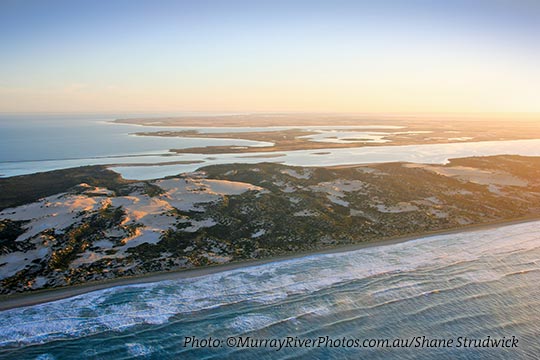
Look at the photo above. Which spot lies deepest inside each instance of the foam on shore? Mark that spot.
(120, 308)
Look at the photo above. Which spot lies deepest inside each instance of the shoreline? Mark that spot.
(18, 300)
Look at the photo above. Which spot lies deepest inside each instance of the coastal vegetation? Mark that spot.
(18, 190)
(236, 212)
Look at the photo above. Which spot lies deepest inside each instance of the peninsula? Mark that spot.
(82, 225)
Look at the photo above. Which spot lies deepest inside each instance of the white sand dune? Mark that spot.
(151, 216)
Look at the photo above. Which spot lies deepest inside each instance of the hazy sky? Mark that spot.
(389, 56)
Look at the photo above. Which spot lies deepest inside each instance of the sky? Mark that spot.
(386, 56)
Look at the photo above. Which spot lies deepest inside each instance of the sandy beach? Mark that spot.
(43, 296)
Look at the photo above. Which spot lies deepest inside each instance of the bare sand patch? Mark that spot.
(474, 175)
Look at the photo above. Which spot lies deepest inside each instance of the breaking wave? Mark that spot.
(329, 290)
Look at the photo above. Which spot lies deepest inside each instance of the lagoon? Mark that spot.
(30, 144)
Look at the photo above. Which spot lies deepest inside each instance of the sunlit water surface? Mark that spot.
(473, 284)
(30, 144)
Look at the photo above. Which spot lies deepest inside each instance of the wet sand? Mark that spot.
(43, 296)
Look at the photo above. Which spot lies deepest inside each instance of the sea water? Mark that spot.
(30, 143)
(472, 284)
(41, 138)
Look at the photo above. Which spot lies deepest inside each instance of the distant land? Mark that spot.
(325, 119)
(369, 132)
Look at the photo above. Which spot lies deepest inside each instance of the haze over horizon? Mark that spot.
(388, 57)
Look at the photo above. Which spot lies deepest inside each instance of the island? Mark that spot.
(287, 132)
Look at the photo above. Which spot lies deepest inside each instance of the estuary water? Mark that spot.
(472, 284)
(30, 144)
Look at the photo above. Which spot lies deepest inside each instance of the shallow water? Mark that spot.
(430, 154)
(28, 140)
(35, 144)
(472, 284)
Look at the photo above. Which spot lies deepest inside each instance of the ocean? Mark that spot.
(473, 285)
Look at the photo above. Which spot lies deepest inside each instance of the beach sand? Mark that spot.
(43, 296)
